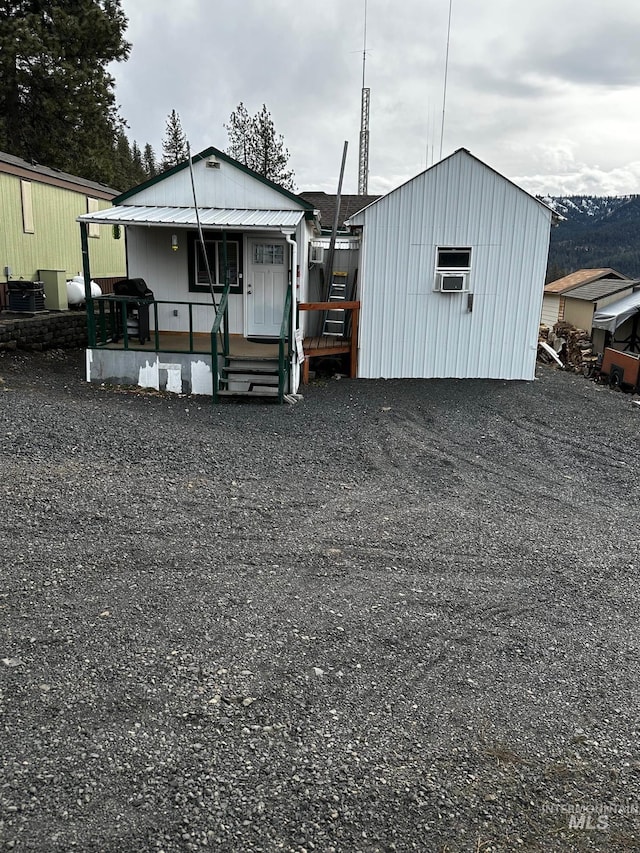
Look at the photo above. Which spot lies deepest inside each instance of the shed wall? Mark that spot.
(550, 310)
(408, 329)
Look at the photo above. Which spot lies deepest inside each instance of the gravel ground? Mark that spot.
(398, 616)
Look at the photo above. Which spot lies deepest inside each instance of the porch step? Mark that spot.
(255, 392)
(248, 376)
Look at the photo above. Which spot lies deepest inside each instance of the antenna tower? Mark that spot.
(363, 161)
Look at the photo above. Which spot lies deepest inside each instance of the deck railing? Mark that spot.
(111, 321)
(284, 352)
(220, 334)
(350, 341)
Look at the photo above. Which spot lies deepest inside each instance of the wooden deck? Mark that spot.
(239, 346)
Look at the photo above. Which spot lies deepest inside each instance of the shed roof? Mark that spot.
(594, 290)
(210, 217)
(579, 277)
(555, 216)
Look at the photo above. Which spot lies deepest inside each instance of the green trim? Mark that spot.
(86, 270)
(209, 152)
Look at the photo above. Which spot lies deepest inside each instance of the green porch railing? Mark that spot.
(222, 314)
(110, 313)
(284, 353)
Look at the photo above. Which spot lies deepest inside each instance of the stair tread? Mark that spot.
(263, 392)
(252, 371)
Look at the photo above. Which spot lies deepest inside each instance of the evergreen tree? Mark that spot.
(174, 144)
(253, 141)
(138, 171)
(57, 103)
(149, 161)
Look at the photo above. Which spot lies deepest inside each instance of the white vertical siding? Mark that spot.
(408, 329)
(227, 186)
(550, 309)
(149, 256)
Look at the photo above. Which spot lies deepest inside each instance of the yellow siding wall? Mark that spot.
(55, 243)
(579, 312)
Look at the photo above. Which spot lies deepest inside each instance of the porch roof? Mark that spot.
(210, 217)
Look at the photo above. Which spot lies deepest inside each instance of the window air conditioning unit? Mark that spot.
(316, 255)
(452, 282)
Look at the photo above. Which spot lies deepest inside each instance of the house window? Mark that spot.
(93, 205)
(215, 248)
(268, 253)
(27, 207)
(453, 269)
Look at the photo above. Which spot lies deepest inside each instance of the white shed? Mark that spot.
(451, 276)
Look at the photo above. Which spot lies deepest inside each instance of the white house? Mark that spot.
(257, 238)
(451, 277)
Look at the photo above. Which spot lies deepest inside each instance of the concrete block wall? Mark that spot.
(66, 330)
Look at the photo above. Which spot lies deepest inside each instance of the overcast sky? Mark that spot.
(545, 92)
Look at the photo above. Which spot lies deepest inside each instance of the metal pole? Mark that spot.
(446, 70)
(200, 234)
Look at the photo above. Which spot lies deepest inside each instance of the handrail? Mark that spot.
(285, 327)
(222, 313)
(354, 307)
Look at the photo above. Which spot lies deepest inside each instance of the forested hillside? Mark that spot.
(597, 232)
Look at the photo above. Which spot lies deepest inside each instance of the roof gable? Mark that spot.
(252, 191)
(358, 219)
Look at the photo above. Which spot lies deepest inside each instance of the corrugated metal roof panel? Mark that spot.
(186, 217)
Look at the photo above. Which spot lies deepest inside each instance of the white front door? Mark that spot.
(266, 287)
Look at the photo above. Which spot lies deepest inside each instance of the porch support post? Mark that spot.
(294, 373)
(91, 317)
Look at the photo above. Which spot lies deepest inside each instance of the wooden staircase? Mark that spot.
(249, 376)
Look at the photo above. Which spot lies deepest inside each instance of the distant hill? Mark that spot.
(598, 231)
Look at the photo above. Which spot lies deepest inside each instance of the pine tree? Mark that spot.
(57, 101)
(149, 161)
(174, 144)
(253, 141)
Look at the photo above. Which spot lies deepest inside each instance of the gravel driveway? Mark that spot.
(398, 616)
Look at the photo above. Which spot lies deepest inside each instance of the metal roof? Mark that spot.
(600, 289)
(210, 217)
(9, 163)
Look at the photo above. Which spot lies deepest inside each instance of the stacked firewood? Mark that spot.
(573, 346)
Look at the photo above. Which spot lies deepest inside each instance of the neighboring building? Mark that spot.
(451, 275)
(39, 234)
(554, 303)
(346, 257)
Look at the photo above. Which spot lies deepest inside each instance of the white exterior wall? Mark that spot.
(227, 186)
(409, 330)
(149, 256)
(550, 309)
